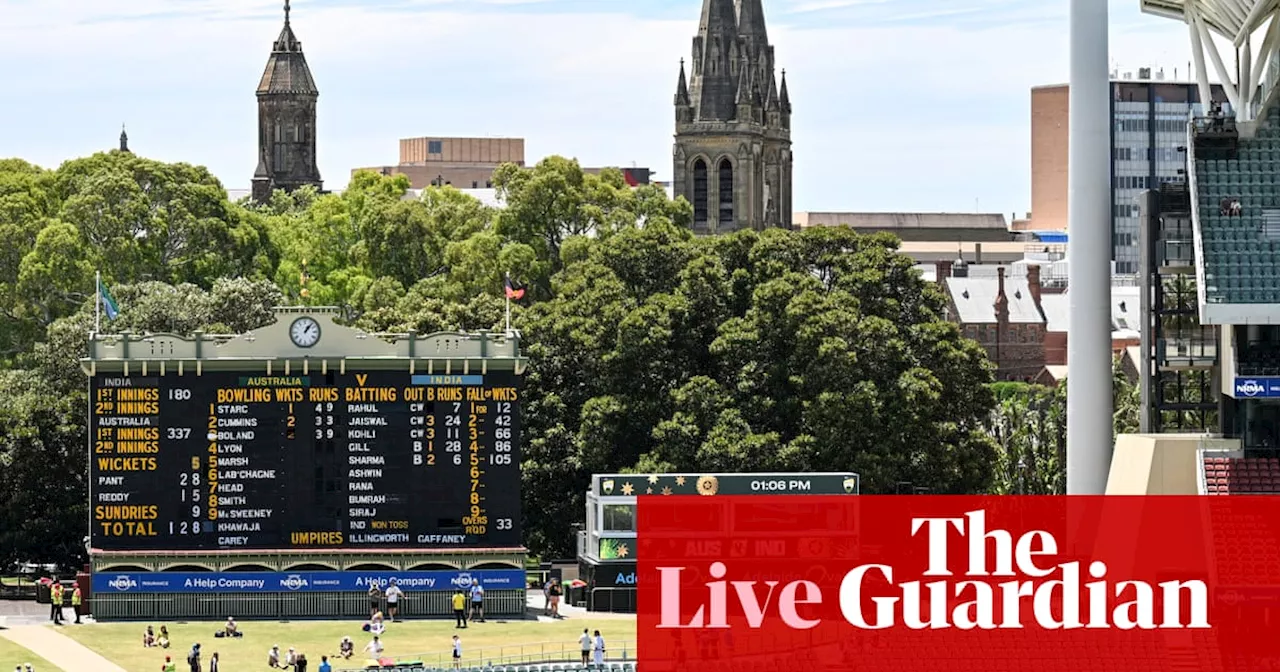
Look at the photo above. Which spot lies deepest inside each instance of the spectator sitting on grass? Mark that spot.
(346, 648)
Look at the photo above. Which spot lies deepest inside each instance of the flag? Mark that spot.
(513, 292)
(109, 305)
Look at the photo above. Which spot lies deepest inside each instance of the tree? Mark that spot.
(556, 201)
(1029, 425)
(43, 488)
(819, 350)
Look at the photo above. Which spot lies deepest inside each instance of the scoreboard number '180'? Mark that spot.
(228, 460)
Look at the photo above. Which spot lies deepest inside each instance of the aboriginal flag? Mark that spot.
(514, 292)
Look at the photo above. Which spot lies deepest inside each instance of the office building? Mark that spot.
(1149, 126)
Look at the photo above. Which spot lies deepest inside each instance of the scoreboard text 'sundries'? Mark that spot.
(230, 460)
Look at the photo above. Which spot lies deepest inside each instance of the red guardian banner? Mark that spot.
(1079, 584)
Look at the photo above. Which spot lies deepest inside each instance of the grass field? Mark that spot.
(12, 655)
(121, 642)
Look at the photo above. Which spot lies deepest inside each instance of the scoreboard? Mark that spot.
(235, 460)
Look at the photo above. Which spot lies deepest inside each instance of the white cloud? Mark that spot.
(887, 117)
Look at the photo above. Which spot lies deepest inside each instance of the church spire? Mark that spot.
(751, 21)
(124, 139)
(732, 157)
(682, 88)
(715, 50)
(287, 97)
(783, 98)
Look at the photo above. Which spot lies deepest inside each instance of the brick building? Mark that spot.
(1001, 313)
(468, 163)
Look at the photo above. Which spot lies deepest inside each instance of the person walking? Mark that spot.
(556, 592)
(585, 642)
(460, 609)
(598, 649)
(193, 658)
(457, 653)
(213, 662)
(76, 600)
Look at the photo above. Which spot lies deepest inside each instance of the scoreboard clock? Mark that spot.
(227, 460)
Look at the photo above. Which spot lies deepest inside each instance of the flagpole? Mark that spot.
(97, 302)
(508, 313)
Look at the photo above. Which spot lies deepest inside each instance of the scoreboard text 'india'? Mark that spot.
(233, 460)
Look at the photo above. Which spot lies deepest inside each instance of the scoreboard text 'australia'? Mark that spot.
(232, 460)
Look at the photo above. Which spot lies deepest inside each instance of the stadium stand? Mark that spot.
(1239, 211)
(1233, 475)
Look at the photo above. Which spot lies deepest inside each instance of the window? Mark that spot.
(475, 184)
(726, 192)
(700, 192)
(435, 146)
(1121, 210)
(619, 518)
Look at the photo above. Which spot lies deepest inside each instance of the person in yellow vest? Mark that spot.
(55, 602)
(76, 600)
(459, 609)
(169, 665)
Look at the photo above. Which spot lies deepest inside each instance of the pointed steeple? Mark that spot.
(287, 97)
(682, 89)
(783, 98)
(287, 70)
(771, 95)
(124, 139)
(714, 50)
(751, 21)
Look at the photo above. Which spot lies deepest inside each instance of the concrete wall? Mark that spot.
(1049, 111)
(1156, 464)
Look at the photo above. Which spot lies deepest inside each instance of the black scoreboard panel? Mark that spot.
(227, 460)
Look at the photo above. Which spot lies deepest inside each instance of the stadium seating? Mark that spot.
(1241, 261)
(1241, 475)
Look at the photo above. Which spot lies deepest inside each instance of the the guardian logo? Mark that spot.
(123, 582)
(293, 582)
(1032, 592)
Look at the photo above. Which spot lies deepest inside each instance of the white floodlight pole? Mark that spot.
(1089, 404)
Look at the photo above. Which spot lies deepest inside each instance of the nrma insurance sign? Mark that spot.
(279, 582)
(1256, 388)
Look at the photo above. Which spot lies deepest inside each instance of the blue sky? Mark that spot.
(900, 105)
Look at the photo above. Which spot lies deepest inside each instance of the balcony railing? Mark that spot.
(1177, 252)
(1194, 351)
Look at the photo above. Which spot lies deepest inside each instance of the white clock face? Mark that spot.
(305, 332)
